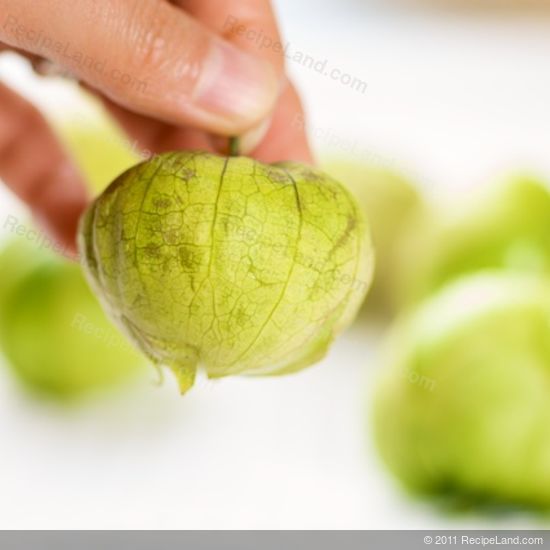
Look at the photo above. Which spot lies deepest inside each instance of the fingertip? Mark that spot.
(286, 139)
(236, 89)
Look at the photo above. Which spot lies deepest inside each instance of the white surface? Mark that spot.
(457, 100)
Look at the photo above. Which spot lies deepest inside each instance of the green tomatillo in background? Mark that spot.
(391, 204)
(227, 263)
(53, 332)
(463, 408)
(505, 226)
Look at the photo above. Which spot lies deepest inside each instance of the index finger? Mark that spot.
(35, 167)
(149, 57)
(249, 24)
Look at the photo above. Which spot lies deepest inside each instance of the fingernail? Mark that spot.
(253, 137)
(236, 86)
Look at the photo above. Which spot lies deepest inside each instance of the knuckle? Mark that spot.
(165, 47)
(148, 29)
(18, 123)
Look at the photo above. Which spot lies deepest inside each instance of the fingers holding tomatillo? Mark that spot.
(35, 167)
(150, 57)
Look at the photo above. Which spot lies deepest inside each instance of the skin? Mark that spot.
(45, 299)
(194, 74)
(461, 411)
(227, 263)
(390, 203)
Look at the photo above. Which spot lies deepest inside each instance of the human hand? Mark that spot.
(176, 75)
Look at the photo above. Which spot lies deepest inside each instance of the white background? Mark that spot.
(454, 98)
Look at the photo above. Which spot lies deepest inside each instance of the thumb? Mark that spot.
(149, 57)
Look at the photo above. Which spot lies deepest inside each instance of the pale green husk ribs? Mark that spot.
(227, 263)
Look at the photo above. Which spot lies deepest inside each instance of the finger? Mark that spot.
(250, 25)
(286, 138)
(154, 137)
(35, 168)
(149, 57)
